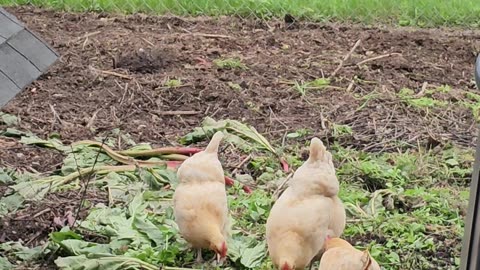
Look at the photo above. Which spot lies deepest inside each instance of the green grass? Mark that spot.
(230, 63)
(402, 12)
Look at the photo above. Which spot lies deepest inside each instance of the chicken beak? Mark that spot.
(219, 259)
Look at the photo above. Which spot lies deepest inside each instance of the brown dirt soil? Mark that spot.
(30, 158)
(32, 224)
(113, 70)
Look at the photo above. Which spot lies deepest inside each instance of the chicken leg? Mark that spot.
(199, 256)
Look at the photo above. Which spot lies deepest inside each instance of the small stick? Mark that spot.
(55, 116)
(347, 56)
(245, 160)
(106, 72)
(422, 91)
(34, 237)
(322, 120)
(87, 35)
(378, 57)
(212, 35)
(34, 216)
(350, 86)
(177, 112)
(92, 119)
(148, 42)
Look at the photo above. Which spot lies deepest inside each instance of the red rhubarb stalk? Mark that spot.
(247, 189)
(173, 164)
(284, 163)
(229, 181)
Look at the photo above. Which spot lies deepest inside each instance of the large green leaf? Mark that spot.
(143, 225)
(252, 257)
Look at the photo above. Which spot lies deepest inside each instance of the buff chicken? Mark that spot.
(200, 201)
(341, 255)
(306, 212)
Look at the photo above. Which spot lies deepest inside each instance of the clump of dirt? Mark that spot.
(145, 61)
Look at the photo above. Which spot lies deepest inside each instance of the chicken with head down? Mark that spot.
(306, 212)
(200, 201)
(341, 255)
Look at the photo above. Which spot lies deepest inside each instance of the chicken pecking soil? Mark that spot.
(157, 78)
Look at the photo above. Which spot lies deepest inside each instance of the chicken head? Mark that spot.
(341, 255)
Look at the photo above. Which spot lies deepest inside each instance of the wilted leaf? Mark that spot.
(5, 264)
(78, 247)
(13, 132)
(8, 119)
(243, 136)
(33, 190)
(149, 178)
(10, 203)
(101, 261)
(50, 143)
(137, 205)
(235, 248)
(238, 142)
(5, 177)
(29, 254)
(165, 176)
(20, 252)
(249, 133)
(143, 225)
(252, 257)
(84, 157)
(208, 128)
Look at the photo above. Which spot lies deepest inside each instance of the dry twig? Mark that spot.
(107, 72)
(279, 189)
(347, 56)
(377, 58)
(176, 112)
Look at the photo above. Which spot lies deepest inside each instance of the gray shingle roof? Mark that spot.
(23, 56)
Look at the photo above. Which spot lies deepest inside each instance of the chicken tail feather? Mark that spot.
(212, 147)
(317, 150)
